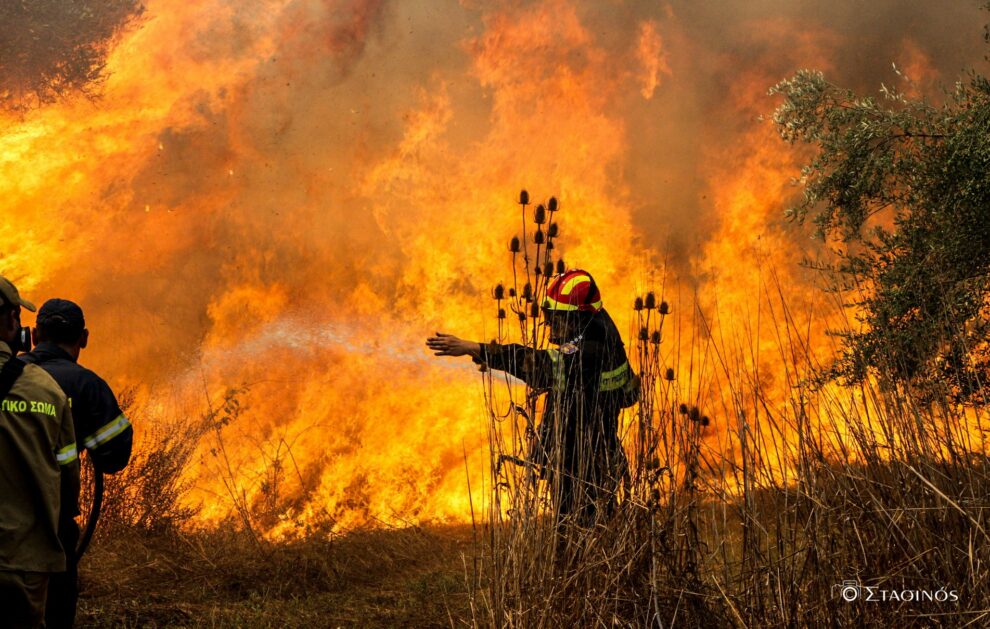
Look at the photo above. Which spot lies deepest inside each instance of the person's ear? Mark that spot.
(84, 339)
(8, 323)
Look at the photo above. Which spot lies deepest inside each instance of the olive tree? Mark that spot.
(903, 186)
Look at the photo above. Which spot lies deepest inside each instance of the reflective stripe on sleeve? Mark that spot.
(614, 379)
(106, 433)
(67, 455)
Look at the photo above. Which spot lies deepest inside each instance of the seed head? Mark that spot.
(528, 292)
(638, 304)
(682, 409)
(644, 334)
(655, 337)
(669, 375)
(694, 414)
(523, 197)
(548, 269)
(540, 215)
(501, 313)
(651, 301)
(534, 310)
(561, 267)
(552, 204)
(498, 292)
(553, 230)
(550, 246)
(522, 315)
(705, 421)
(514, 244)
(664, 308)
(539, 237)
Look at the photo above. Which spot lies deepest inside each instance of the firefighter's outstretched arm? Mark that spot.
(449, 345)
(532, 366)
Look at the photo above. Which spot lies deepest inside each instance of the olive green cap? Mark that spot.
(11, 296)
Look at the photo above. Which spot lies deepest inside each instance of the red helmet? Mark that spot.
(573, 290)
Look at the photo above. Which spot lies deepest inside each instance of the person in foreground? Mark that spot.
(102, 428)
(38, 465)
(588, 381)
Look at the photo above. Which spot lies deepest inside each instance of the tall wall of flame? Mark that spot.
(285, 197)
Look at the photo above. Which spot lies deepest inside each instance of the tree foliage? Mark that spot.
(52, 47)
(905, 186)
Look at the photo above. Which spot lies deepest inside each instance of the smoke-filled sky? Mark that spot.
(288, 196)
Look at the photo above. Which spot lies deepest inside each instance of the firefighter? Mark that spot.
(38, 466)
(588, 381)
(102, 428)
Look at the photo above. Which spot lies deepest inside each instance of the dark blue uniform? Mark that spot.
(587, 381)
(105, 433)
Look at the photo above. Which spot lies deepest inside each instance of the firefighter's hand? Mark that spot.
(449, 345)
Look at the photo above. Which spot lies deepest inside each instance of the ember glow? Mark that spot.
(284, 198)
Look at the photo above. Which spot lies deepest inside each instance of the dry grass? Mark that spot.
(377, 578)
(756, 523)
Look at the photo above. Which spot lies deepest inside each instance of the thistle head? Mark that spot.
(548, 268)
(540, 215)
(664, 308)
(498, 293)
(561, 267)
(528, 292)
(638, 304)
(682, 409)
(514, 244)
(501, 313)
(523, 197)
(539, 237)
(651, 301)
(669, 375)
(552, 204)
(644, 334)
(655, 337)
(553, 230)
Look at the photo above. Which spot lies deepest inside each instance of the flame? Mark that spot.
(273, 203)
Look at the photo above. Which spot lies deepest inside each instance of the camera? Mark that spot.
(21, 342)
(849, 590)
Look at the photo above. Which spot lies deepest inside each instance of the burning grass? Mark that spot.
(751, 499)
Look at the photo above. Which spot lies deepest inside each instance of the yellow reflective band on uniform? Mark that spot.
(106, 433)
(67, 455)
(557, 365)
(552, 304)
(614, 379)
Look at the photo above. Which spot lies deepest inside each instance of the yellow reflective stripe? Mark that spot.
(614, 379)
(553, 304)
(107, 432)
(572, 283)
(557, 366)
(67, 455)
